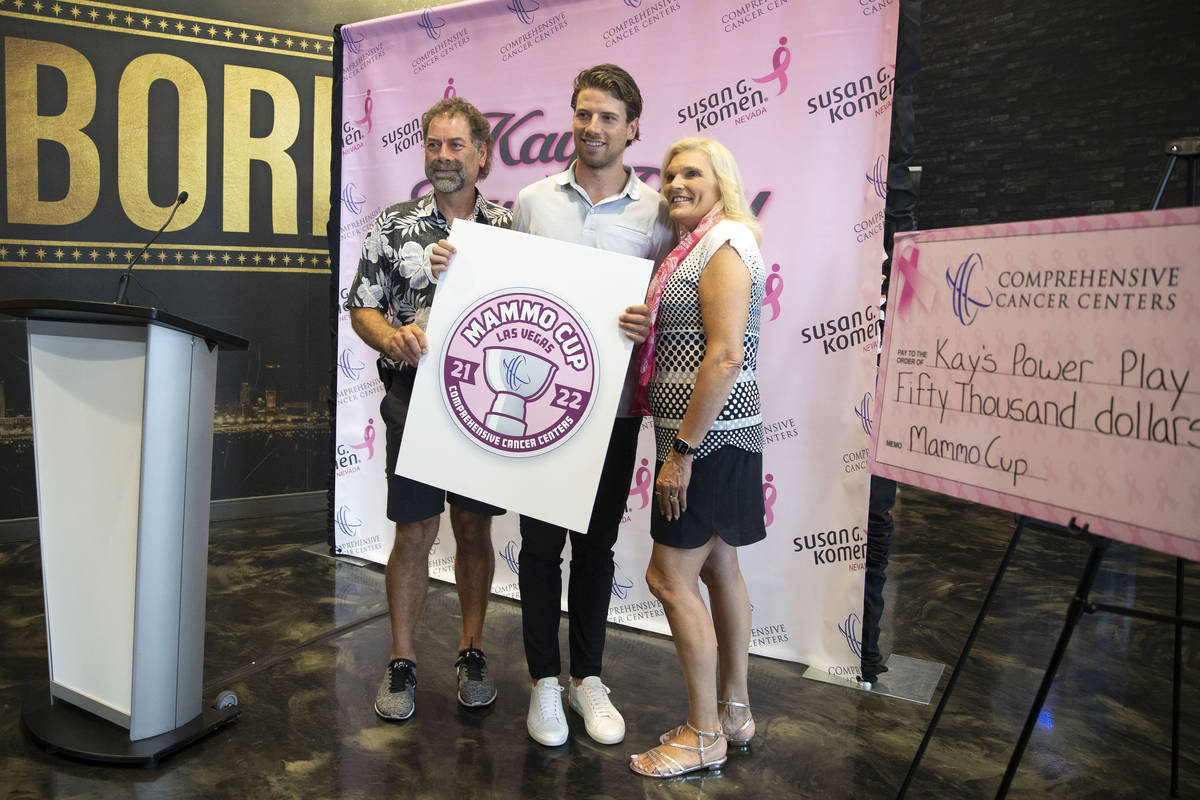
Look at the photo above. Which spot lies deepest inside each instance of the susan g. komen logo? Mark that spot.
(643, 482)
(772, 293)
(770, 493)
(850, 630)
(430, 24)
(519, 372)
(368, 442)
(965, 304)
(781, 59)
(347, 524)
(877, 177)
(523, 9)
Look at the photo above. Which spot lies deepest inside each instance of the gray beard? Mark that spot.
(448, 185)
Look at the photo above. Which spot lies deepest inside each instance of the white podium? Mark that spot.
(122, 401)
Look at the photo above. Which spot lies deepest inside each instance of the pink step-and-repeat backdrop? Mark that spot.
(800, 92)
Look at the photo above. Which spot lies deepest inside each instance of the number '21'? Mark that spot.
(463, 370)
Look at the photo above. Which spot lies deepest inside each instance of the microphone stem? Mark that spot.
(123, 285)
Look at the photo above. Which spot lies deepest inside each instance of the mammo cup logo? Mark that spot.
(519, 372)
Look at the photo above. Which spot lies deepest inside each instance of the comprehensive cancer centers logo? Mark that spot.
(966, 307)
(863, 412)
(430, 24)
(347, 524)
(350, 367)
(519, 372)
(877, 177)
(523, 9)
(352, 199)
(850, 630)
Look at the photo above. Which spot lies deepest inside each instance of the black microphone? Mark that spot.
(123, 286)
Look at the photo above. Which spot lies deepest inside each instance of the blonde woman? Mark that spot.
(698, 372)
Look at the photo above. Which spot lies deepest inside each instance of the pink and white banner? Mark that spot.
(801, 94)
(1046, 368)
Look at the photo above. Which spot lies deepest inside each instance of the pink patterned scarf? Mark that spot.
(640, 406)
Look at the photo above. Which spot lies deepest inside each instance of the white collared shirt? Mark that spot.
(633, 222)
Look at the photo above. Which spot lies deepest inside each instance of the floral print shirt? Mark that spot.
(394, 274)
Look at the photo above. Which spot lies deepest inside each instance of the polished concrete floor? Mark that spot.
(303, 638)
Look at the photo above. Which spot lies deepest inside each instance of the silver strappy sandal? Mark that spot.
(737, 738)
(664, 766)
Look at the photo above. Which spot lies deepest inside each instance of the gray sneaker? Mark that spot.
(396, 697)
(475, 684)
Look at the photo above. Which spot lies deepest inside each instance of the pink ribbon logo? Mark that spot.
(772, 291)
(450, 91)
(368, 442)
(643, 481)
(914, 284)
(780, 61)
(769, 495)
(368, 104)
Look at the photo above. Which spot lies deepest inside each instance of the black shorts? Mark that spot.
(409, 500)
(725, 497)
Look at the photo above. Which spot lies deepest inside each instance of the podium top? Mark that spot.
(58, 310)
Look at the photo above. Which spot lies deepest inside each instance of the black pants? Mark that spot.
(879, 547)
(590, 585)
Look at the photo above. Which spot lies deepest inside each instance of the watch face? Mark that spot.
(682, 447)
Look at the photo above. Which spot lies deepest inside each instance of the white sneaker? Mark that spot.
(601, 719)
(546, 722)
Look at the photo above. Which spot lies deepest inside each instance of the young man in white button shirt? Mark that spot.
(599, 202)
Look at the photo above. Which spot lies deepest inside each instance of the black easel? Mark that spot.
(962, 657)
(1078, 607)
(1189, 149)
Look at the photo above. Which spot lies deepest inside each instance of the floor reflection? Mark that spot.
(302, 639)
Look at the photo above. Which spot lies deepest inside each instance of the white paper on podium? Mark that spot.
(514, 403)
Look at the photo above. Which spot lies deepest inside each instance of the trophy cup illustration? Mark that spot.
(517, 378)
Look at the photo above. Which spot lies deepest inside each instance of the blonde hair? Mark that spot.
(733, 202)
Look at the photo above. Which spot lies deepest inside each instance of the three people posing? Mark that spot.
(703, 397)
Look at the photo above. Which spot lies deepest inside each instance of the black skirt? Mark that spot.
(725, 497)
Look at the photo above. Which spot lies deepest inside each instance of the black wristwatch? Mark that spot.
(682, 447)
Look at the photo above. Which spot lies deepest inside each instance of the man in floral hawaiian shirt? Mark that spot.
(389, 304)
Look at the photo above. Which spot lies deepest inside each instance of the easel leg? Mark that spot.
(962, 657)
(1074, 611)
(1175, 695)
